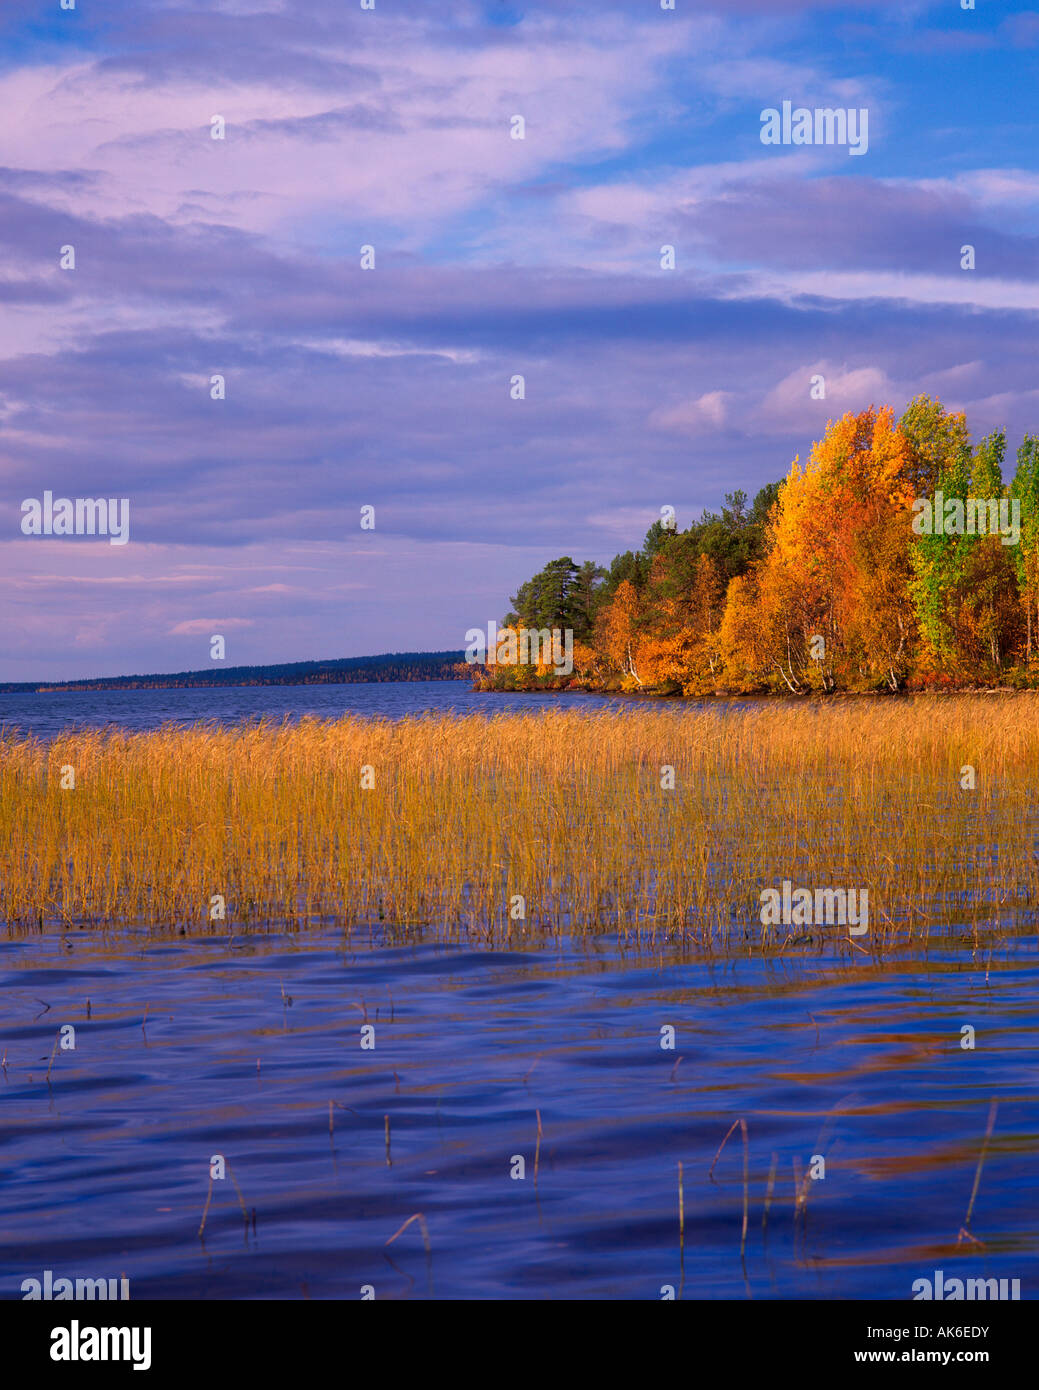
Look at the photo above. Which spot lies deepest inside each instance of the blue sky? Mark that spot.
(494, 257)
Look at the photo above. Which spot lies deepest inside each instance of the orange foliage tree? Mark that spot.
(832, 590)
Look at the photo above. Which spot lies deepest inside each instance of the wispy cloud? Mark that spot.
(496, 258)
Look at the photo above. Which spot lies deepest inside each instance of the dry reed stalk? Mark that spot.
(746, 1163)
(53, 1052)
(241, 1199)
(681, 1206)
(720, 1147)
(768, 1194)
(965, 1229)
(681, 1226)
(563, 808)
(205, 1209)
(423, 1227)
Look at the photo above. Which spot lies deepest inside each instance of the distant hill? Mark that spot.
(350, 670)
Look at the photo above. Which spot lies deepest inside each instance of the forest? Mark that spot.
(350, 670)
(868, 568)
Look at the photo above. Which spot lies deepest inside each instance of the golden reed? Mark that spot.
(570, 812)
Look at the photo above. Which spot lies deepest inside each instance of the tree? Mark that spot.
(1025, 491)
(832, 585)
(619, 631)
(546, 600)
(826, 580)
(936, 441)
(964, 583)
(746, 648)
(586, 598)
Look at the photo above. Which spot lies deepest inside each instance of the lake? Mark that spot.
(865, 1116)
(45, 714)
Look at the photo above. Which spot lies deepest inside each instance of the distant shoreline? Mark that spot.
(354, 670)
(82, 688)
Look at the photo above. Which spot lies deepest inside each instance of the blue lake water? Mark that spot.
(194, 1048)
(191, 1047)
(47, 713)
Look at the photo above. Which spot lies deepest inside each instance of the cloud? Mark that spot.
(495, 257)
(625, 525)
(369, 125)
(708, 412)
(199, 627)
(790, 404)
(964, 289)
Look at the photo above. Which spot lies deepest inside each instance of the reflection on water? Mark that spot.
(188, 1048)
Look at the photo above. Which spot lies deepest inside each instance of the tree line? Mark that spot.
(883, 563)
(351, 670)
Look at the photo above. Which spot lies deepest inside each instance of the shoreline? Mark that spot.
(722, 695)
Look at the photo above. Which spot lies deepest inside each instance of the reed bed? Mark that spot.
(565, 810)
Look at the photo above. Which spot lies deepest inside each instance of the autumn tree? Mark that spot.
(619, 630)
(1025, 491)
(833, 585)
(936, 440)
(826, 580)
(964, 583)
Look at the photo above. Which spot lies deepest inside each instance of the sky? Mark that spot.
(495, 257)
